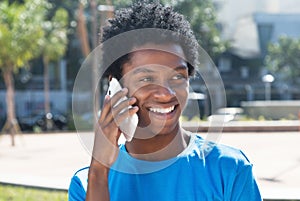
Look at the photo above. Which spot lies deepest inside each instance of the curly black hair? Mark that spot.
(146, 15)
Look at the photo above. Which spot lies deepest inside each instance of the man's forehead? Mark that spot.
(157, 68)
(143, 69)
(171, 48)
(162, 57)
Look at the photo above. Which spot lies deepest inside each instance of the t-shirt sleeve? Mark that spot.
(245, 186)
(78, 186)
(76, 191)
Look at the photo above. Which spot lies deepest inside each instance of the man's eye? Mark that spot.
(179, 77)
(146, 79)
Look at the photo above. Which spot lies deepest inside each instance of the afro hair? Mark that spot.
(155, 17)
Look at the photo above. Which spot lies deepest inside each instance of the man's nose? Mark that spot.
(164, 92)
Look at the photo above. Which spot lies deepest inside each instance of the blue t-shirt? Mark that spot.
(203, 171)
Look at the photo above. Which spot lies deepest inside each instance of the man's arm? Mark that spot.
(106, 149)
(97, 182)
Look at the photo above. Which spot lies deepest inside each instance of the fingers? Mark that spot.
(111, 101)
(120, 117)
(121, 111)
(116, 112)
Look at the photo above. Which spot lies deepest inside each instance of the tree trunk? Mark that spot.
(49, 123)
(82, 32)
(95, 75)
(11, 125)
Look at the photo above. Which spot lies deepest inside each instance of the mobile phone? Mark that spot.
(128, 126)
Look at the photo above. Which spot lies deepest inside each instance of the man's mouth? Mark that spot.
(162, 110)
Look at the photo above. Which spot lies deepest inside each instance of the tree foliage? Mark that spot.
(54, 43)
(283, 58)
(20, 32)
(202, 16)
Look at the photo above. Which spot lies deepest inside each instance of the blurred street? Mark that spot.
(50, 160)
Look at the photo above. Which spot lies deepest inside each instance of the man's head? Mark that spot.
(159, 52)
(167, 26)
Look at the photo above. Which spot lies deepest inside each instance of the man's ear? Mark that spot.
(110, 77)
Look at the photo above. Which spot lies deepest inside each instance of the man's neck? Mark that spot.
(159, 147)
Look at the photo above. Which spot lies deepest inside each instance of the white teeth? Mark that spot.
(162, 110)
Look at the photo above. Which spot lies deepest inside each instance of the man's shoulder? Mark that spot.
(80, 178)
(235, 155)
(221, 152)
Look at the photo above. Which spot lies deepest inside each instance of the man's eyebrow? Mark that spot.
(142, 70)
(181, 67)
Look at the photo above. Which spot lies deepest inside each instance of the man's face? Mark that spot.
(159, 81)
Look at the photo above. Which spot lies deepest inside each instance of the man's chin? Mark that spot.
(152, 130)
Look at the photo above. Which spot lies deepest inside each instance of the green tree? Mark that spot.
(20, 34)
(283, 58)
(202, 16)
(54, 44)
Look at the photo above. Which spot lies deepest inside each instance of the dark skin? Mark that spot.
(156, 80)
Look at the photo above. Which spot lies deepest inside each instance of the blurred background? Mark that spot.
(254, 44)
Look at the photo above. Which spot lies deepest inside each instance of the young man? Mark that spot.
(162, 161)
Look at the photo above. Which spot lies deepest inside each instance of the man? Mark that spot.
(162, 161)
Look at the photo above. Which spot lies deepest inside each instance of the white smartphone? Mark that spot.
(128, 126)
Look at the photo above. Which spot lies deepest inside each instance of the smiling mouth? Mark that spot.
(162, 110)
